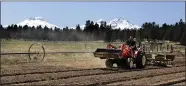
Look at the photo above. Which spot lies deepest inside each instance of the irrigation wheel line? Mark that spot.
(43, 50)
(43, 53)
(34, 52)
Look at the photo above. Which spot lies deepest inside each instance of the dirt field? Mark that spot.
(78, 69)
(41, 74)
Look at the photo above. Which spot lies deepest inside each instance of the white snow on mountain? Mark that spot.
(36, 21)
(82, 26)
(99, 21)
(117, 23)
(121, 23)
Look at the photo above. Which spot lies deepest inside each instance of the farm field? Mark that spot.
(77, 69)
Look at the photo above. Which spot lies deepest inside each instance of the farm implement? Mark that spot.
(126, 57)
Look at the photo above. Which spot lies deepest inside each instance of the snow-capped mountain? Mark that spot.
(36, 21)
(117, 23)
(121, 23)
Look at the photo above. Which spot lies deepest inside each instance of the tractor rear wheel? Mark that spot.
(121, 64)
(109, 63)
(141, 60)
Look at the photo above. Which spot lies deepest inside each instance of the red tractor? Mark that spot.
(125, 57)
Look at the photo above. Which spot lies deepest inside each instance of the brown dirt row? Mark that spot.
(108, 78)
(43, 76)
(180, 84)
(32, 69)
(151, 80)
(35, 68)
(40, 70)
(52, 76)
(29, 66)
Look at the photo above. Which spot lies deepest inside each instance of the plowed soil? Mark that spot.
(40, 74)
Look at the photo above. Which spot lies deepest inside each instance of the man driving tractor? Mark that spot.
(132, 43)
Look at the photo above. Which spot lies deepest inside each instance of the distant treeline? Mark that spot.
(93, 31)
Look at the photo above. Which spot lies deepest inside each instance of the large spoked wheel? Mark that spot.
(36, 52)
(129, 63)
(109, 63)
(141, 61)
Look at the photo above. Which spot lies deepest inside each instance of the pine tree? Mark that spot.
(87, 26)
(78, 28)
(181, 27)
(1, 27)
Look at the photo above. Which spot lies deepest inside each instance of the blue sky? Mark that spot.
(73, 13)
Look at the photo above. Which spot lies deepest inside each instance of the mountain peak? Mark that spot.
(120, 19)
(37, 18)
(100, 20)
(36, 21)
(122, 23)
(117, 23)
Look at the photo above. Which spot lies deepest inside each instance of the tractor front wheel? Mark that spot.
(129, 63)
(109, 63)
